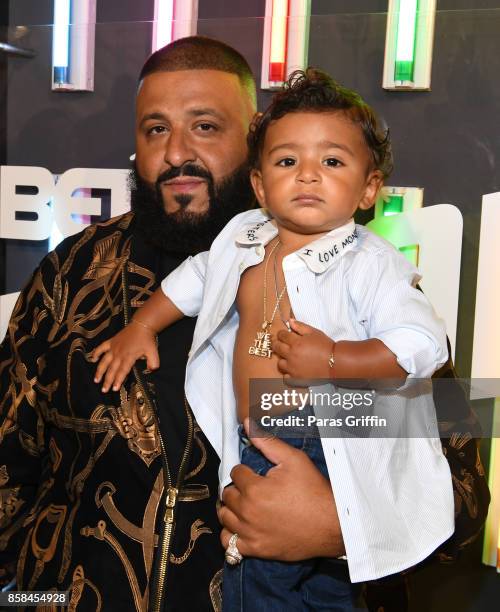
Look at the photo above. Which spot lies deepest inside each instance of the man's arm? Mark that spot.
(289, 514)
(22, 357)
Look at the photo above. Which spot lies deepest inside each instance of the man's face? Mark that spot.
(191, 128)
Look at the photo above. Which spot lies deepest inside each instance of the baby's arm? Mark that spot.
(405, 336)
(308, 353)
(137, 340)
(180, 295)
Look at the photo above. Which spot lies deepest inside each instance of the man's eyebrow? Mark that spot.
(156, 116)
(195, 112)
(198, 112)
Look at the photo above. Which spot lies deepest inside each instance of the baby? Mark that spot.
(296, 290)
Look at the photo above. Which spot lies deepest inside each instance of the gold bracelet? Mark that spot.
(145, 325)
(331, 359)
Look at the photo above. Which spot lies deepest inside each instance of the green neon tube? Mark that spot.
(406, 40)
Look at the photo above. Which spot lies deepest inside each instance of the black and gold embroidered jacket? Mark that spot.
(109, 496)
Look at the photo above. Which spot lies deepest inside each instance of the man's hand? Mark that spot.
(288, 515)
(303, 353)
(119, 353)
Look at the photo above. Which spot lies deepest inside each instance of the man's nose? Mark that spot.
(178, 149)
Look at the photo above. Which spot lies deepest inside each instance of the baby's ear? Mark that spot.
(258, 188)
(374, 183)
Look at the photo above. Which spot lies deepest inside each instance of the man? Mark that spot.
(112, 496)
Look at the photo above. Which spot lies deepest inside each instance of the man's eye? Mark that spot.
(333, 162)
(206, 127)
(286, 162)
(157, 129)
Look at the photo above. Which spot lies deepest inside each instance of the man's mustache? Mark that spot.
(185, 170)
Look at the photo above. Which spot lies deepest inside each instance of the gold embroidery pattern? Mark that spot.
(9, 505)
(51, 516)
(197, 530)
(4, 475)
(144, 534)
(100, 532)
(465, 489)
(55, 455)
(105, 257)
(215, 590)
(135, 422)
(75, 495)
(203, 450)
(76, 590)
(479, 464)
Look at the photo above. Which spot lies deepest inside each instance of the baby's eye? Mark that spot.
(332, 162)
(286, 162)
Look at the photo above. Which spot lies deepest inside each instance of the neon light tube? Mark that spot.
(60, 41)
(393, 205)
(164, 23)
(277, 57)
(406, 39)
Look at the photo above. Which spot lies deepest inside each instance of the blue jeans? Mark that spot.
(276, 586)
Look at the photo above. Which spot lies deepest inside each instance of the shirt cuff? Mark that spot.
(415, 352)
(184, 288)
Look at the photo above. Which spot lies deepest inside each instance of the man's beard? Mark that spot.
(184, 231)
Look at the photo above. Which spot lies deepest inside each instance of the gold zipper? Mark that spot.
(158, 589)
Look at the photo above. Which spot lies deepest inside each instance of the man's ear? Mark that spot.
(374, 184)
(258, 188)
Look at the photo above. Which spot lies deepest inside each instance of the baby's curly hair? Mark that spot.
(313, 90)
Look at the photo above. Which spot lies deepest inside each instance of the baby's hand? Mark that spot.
(118, 355)
(303, 353)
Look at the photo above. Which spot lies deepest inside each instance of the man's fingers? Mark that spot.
(230, 499)
(300, 328)
(281, 348)
(240, 543)
(284, 336)
(229, 519)
(242, 476)
(272, 448)
(283, 366)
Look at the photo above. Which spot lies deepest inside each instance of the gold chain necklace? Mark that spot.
(279, 295)
(262, 346)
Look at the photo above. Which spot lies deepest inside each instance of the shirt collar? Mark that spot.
(319, 255)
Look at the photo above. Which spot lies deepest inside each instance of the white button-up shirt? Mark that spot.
(394, 495)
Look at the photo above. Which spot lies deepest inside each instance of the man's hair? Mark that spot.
(201, 53)
(315, 91)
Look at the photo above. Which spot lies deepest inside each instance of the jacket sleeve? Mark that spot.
(22, 358)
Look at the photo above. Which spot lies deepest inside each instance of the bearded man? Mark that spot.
(112, 497)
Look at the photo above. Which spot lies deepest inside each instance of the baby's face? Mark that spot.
(316, 170)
